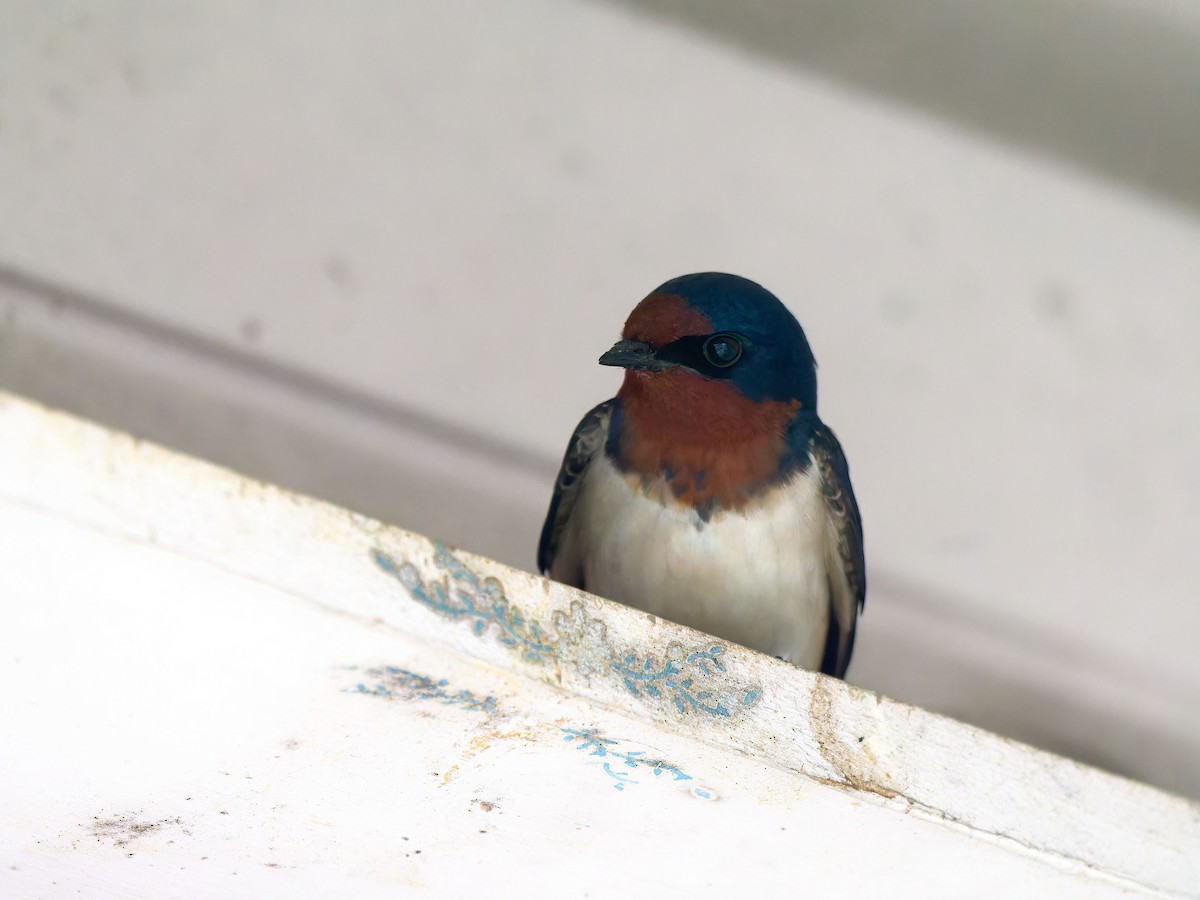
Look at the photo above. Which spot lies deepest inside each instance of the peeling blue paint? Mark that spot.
(685, 680)
(400, 684)
(619, 759)
(462, 596)
(652, 677)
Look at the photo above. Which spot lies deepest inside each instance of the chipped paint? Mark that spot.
(618, 760)
(394, 683)
(687, 679)
(481, 743)
(125, 829)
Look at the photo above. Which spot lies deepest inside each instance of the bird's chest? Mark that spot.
(754, 575)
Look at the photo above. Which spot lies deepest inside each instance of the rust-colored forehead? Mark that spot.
(662, 318)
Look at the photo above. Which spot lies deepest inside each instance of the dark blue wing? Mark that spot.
(844, 562)
(587, 440)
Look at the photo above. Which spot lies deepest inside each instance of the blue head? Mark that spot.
(721, 328)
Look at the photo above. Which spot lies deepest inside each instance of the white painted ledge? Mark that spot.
(345, 259)
(212, 685)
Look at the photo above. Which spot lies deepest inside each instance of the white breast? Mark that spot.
(756, 577)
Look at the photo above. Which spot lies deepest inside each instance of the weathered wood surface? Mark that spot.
(213, 686)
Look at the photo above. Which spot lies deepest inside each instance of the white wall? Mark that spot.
(373, 252)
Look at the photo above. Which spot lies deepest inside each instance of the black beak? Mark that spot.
(633, 355)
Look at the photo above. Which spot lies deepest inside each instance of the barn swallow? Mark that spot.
(708, 491)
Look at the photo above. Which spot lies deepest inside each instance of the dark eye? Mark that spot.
(722, 350)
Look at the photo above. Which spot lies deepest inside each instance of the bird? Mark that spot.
(708, 491)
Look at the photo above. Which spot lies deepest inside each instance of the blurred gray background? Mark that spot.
(372, 251)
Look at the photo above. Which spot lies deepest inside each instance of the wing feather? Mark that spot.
(844, 561)
(586, 442)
